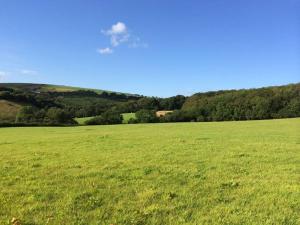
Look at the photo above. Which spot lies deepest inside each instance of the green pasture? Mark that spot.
(128, 116)
(82, 120)
(169, 174)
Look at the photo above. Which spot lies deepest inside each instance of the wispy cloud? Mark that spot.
(137, 43)
(104, 51)
(28, 72)
(120, 34)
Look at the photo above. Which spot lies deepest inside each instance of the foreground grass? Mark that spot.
(185, 173)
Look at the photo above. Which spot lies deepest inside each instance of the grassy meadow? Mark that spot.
(128, 116)
(177, 173)
(82, 120)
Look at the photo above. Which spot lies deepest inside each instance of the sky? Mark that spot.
(155, 48)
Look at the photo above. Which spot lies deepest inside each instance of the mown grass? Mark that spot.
(184, 173)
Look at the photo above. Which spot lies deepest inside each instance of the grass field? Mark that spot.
(82, 120)
(184, 173)
(128, 116)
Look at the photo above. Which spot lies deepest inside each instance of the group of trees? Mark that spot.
(145, 116)
(151, 103)
(263, 103)
(52, 116)
(253, 104)
(108, 117)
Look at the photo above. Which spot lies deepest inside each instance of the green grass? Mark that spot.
(184, 173)
(82, 120)
(128, 116)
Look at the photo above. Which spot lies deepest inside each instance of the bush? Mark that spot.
(180, 116)
(26, 115)
(146, 116)
(106, 118)
(132, 121)
(33, 115)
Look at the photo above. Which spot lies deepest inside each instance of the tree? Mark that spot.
(106, 118)
(146, 116)
(59, 116)
(26, 115)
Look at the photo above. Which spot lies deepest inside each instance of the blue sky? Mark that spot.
(156, 48)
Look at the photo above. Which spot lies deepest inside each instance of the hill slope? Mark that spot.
(246, 104)
(53, 88)
(79, 102)
(8, 110)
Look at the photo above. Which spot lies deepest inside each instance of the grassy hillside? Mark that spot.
(8, 110)
(77, 102)
(50, 88)
(185, 173)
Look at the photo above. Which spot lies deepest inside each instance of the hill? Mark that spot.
(73, 102)
(53, 88)
(9, 110)
(78, 102)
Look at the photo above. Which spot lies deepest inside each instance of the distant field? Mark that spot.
(181, 173)
(126, 117)
(8, 110)
(82, 120)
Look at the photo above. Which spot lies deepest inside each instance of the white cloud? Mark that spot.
(118, 28)
(28, 72)
(116, 40)
(106, 51)
(119, 34)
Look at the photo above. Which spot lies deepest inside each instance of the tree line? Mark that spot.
(61, 107)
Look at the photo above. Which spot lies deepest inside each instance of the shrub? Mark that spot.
(146, 116)
(106, 118)
(132, 121)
